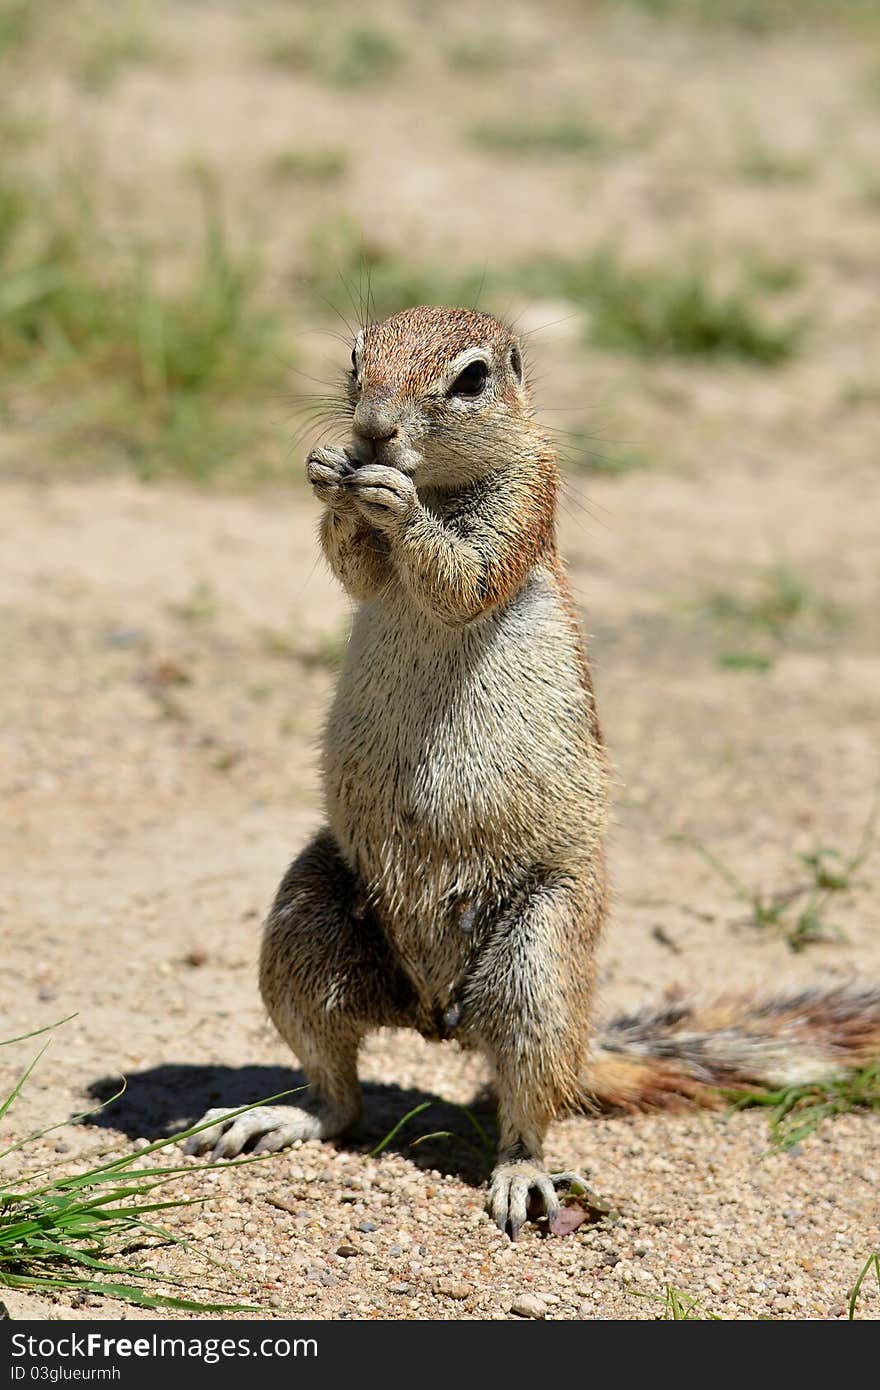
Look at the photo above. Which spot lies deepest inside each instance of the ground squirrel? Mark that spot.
(459, 885)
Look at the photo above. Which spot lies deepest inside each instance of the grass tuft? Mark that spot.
(111, 51)
(478, 56)
(536, 139)
(16, 24)
(162, 378)
(678, 1306)
(307, 166)
(650, 312)
(361, 56)
(756, 626)
(797, 1111)
(798, 911)
(664, 312)
(77, 1232)
(760, 163)
(761, 16)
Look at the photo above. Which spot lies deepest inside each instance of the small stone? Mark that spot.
(284, 1204)
(529, 1305)
(346, 1251)
(366, 1226)
(399, 1288)
(453, 1288)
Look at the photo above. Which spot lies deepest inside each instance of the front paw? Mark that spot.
(521, 1188)
(328, 471)
(265, 1129)
(384, 496)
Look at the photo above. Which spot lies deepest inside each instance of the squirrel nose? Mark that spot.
(374, 436)
(376, 421)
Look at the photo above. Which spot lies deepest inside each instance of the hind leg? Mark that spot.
(327, 977)
(528, 1001)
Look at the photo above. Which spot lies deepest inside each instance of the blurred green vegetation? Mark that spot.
(761, 16)
(310, 166)
(761, 163)
(356, 56)
(16, 21)
(777, 608)
(657, 311)
(478, 56)
(363, 279)
(161, 376)
(663, 310)
(168, 353)
(566, 134)
(91, 40)
(581, 453)
(110, 50)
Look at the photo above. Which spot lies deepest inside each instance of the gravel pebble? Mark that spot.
(529, 1305)
(453, 1288)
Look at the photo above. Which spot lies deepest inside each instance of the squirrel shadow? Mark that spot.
(162, 1100)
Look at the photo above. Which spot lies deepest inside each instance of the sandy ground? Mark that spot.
(168, 656)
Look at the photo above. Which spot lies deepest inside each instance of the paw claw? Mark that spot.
(273, 1127)
(510, 1189)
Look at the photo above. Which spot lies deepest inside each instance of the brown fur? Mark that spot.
(459, 887)
(665, 1058)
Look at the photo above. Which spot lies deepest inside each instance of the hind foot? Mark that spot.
(511, 1187)
(274, 1127)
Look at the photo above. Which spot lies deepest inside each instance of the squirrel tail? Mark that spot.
(683, 1054)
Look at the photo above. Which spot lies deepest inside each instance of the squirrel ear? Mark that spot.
(516, 364)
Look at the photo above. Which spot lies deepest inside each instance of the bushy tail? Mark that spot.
(685, 1053)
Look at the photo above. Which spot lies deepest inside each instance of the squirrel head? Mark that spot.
(438, 393)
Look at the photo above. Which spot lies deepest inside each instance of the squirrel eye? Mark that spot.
(354, 362)
(471, 381)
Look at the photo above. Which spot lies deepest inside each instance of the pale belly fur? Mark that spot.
(457, 760)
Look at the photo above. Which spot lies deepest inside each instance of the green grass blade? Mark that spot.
(35, 1033)
(393, 1133)
(16, 1090)
(128, 1293)
(874, 1260)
